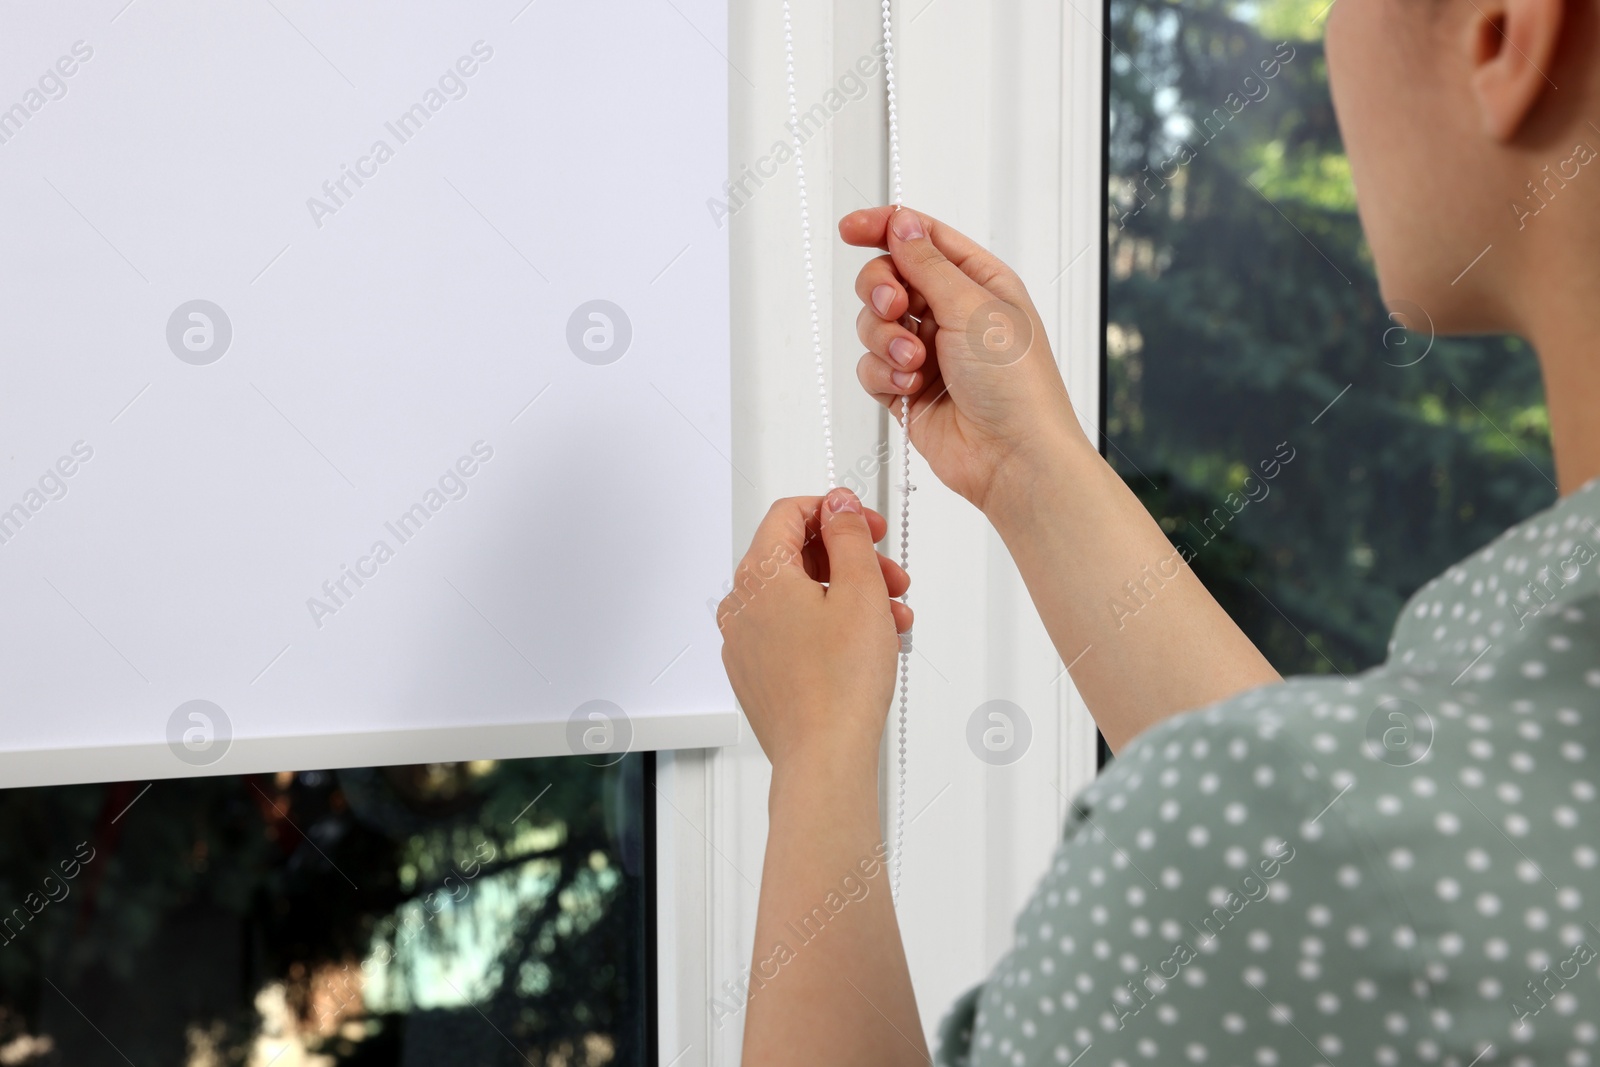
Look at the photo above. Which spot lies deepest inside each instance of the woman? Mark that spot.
(1398, 868)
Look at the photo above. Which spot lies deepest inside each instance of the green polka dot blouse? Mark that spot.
(1395, 868)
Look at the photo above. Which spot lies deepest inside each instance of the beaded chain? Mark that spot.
(805, 240)
(905, 465)
(904, 485)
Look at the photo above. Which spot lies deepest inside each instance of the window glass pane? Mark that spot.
(473, 913)
(1319, 457)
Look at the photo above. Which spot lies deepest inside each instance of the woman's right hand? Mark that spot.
(949, 325)
(990, 414)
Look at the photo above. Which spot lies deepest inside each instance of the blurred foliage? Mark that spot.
(203, 899)
(1242, 303)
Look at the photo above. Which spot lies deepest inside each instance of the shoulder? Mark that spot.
(1255, 739)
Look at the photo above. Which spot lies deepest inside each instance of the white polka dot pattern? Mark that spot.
(1398, 868)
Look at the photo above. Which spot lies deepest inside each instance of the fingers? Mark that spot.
(880, 287)
(895, 579)
(898, 582)
(893, 342)
(871, 228)
(886, 384)
(852, 559)
(794, 520)
(793, 528)
(781, 535)
(876, 523)
(952, 294)
(796, 530)
(789, 534)
(792, 532)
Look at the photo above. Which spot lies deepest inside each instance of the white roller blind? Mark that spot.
(364, 383)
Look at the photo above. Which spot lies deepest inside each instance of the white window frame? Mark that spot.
(1000, 106)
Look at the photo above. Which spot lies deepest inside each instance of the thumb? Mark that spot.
(852, 558)
(951, 293)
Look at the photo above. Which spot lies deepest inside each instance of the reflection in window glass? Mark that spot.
(1319, 457)
(468, 913)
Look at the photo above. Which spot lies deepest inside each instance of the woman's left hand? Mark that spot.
(810, 632)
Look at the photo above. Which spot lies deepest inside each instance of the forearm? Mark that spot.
(829, 982)
(1143, 637)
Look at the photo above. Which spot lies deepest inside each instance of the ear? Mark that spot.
(1511, 47)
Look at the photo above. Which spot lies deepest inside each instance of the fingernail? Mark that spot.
(883, 299)
(902, 379)
(842, 500)
(907, 225)
(901, 350)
